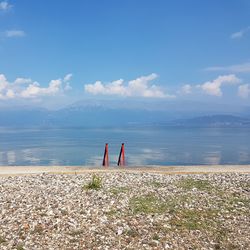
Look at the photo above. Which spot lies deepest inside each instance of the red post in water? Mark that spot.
(105, 161)
(121, 160)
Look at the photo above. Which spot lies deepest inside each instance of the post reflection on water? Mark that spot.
(150, 146)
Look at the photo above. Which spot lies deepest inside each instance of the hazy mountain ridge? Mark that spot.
(213, 121)
(97, 114)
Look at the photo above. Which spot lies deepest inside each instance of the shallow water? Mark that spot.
(146, 146)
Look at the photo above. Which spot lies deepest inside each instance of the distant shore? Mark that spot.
(26, 170)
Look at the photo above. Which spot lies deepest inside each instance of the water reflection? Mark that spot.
(213, 158)
(244, 156)
(55, 162)
(11, 157)
(28, 155)
(97, 160)
(142, 147)
(145, 156)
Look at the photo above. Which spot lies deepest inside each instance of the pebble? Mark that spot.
(52, 211)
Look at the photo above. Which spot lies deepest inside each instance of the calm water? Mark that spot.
(150, 146)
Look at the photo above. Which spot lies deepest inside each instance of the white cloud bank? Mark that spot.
(244, 91)
(237, 68)
(241, 33)
(214, 87)
(4, 5)
(25, 88)
(140, 87)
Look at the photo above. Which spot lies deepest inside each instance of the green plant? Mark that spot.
(95, 183)
(76, 232)
(20, 247)
(189, 184)
(111, 212)
(148, 204)
(118, 190)
(2, 240)
(190, 219)
(156, 237)
(38, 229)
(132, 233)
(156, 184)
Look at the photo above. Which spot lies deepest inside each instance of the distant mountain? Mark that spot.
(79, 116)
(24, 117)
(94, 113)
(213, 121)
(100, 116)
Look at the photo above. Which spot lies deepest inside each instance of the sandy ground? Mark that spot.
(26, 170)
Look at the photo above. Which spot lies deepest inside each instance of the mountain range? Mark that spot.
(123, 113)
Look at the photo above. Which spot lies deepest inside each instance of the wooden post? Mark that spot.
(121, 160)
(105, 161)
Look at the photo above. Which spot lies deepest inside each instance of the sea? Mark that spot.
(144, 146)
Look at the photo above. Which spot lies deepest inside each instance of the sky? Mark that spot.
(53, 53)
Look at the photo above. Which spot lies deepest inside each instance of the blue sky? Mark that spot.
(63, 51)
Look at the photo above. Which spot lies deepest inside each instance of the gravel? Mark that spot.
(125, 211)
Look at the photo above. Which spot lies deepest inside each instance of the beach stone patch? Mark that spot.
(119, 210)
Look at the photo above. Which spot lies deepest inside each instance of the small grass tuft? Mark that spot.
(148, 204)
(194, 219)
(111, 212)
(156, 237)
(2, 240)
(76, 232)
(64, 212)
(119, 190)
(234, 203)
(20, 247)
(38, 229)
(156, 184)
(132, 233)
(189, 184)
(239, 202)
(95, 183)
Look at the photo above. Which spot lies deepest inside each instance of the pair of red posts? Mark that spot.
(121, 159)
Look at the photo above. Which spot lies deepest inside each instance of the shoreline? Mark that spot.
(193, 169)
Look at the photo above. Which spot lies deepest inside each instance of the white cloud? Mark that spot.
(3, 82)
(112, 88)
(10, 94)
(26, 88)
(67, 86)
(244, 90)
(22, 80)
(14, 33)
(67, 78)
(186, 89)
(240, 34)
(214, 87)
(34, 90)
(237, 68)
(138, 87)
(4, 5)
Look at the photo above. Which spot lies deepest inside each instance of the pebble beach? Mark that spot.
(125, 210)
